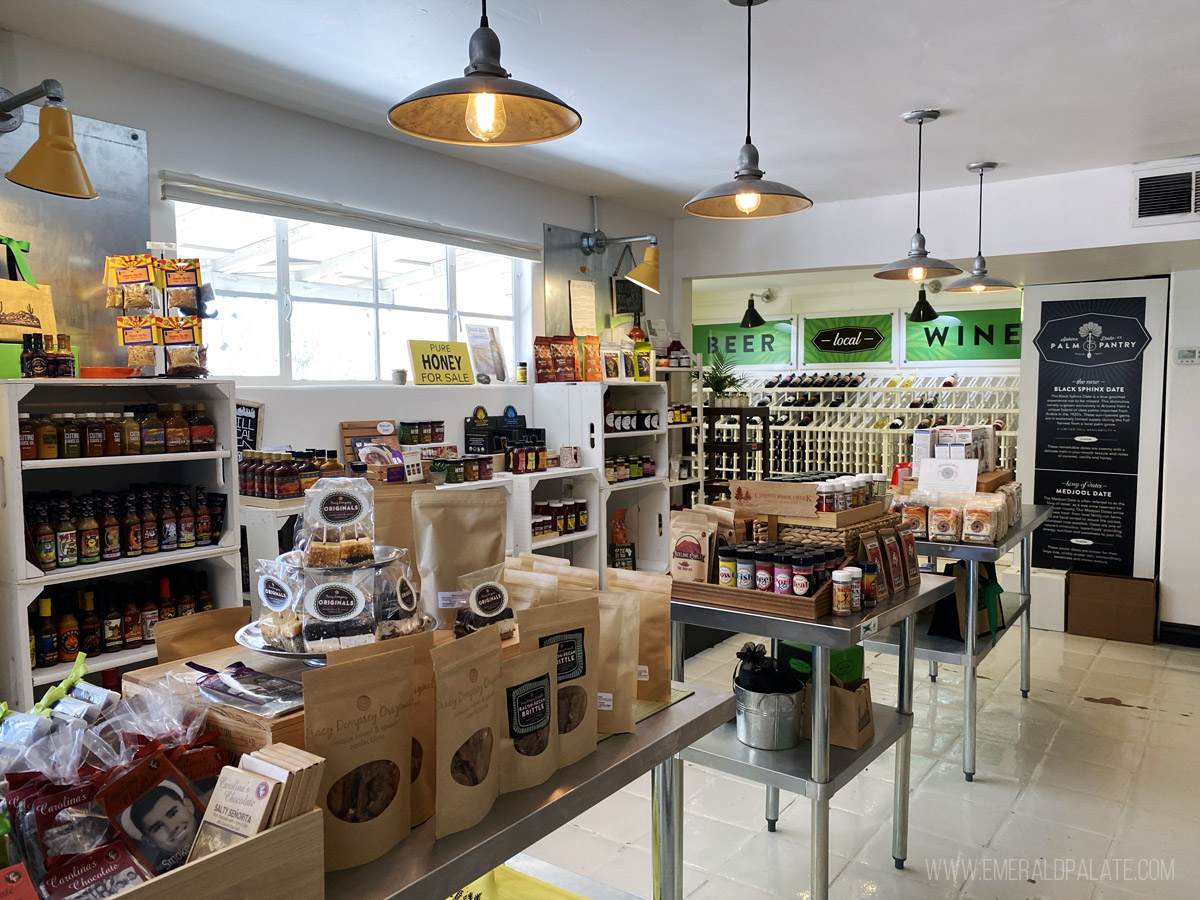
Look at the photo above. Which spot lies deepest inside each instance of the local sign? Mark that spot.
(844, 339)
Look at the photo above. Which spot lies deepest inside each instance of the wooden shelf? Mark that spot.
(141, 459)
(560, 539)
(130, 564)
(98, 663)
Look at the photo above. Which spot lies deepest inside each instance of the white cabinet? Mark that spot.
(685, 387)
(21, 582)
(574, 415)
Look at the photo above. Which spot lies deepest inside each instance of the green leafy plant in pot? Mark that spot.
(721, 377)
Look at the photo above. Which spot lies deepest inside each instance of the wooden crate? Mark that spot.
(782, 606)
(803, 531)
(286, 862)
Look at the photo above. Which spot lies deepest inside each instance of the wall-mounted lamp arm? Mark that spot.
(598, 241)
(11, 114)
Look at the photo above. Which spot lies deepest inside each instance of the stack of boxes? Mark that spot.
(956, 442)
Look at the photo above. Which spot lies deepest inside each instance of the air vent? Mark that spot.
(1166, 193)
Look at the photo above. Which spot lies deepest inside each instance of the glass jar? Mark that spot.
(635, 467)
(424, 432)
(610, 471)
(470, 468)
(581, 514)
(438, 431)
(560, 516)
(569, 517)
(879, 486)
(486, 466)
(622, 469)
(870, 587)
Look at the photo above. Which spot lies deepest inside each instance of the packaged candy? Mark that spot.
(338, 529)
(338, 610)
(281, 590)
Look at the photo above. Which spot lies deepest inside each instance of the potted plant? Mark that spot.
(721, 377)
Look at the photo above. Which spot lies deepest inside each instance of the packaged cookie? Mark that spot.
(466, 673)
(339, 523)
(528, 746)
(616, 678)
(338, 610)
(487, 604)
(281, 592)
(397, 603)
(573, 626)
(654, 631)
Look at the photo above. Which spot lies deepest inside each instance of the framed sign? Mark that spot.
(846, 339)
(770, 344)
(627, 298)
(249, 425)
(965, 334)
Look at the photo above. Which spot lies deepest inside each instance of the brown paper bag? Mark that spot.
(24, 309)
(528, 742)
(654, 631)
(394, 520)
(851, 719)
(189, 636)
(357, 716)
(616, 680)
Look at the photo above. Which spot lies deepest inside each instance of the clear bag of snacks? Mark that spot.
(914, 511)
(281, 591)
(338, 529)
(945, 518)
(338, 610)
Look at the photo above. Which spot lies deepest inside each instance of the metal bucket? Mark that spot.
(768, 721)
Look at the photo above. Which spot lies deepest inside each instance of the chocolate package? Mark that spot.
(357, 715)
(654, 630)
(573, 626)
(467, 673)
(528, 743)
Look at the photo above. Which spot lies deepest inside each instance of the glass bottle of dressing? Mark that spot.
(71, 439)
(93, 435)
(131, 435)
(203, 429)
(154, 435)
(178, 431)
(112, 434)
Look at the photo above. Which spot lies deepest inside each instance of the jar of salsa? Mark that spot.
(485, 467)
(470, 468)
(425, 433)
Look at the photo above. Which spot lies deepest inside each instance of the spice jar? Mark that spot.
(842, 590)
(802, 576)
(856, 575)
(783, 573)
(726, 566)
(745, 568)
(825, 499)
(870, 588)
(764, 570)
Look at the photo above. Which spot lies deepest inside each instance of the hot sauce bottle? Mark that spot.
(89, 624)
(187, 522)
(154, 435)
(131, 530)
(43, 541)
(89, 535)
(203, 430)
(178, 431)
(149, 525)
(204, 519)
(168, 525)
(110, 531)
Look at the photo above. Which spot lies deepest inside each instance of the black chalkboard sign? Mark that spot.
(249, 425)
(627, 298)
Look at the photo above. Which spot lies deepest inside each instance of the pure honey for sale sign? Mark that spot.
(440, 362)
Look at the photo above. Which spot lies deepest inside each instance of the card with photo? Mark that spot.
(156, 812)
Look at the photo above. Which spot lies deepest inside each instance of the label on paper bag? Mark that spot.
(604, 701)
(643, 673)
(453, 599)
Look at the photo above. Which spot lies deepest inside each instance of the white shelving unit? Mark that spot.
(685, 384)
(21, 582)
(262, 526)
(573, 415)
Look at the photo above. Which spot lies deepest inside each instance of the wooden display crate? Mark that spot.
(833, 519)
(783, 606)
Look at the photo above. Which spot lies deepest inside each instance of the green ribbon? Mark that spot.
(16, 255)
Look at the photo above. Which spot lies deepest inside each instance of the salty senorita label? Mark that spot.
(440, 362)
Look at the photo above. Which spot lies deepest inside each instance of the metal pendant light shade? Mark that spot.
(752, 318)
(979, 281)
(923, 311)
(646, 274)
(486, 107)
(918, 265)
(52, 164)
(748, 195)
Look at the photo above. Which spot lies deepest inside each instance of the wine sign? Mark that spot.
(844, 339)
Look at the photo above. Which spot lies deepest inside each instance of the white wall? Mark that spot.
(197, 130)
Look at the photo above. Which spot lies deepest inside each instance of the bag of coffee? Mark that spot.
(616, 680)
(528, 753)
(654, 631)
(455, 533)
(894, 557)
(526, 588)
(690, 538)
(573, 626)
(466, 673)
(908, 545)
(871, 551)
(357, 716)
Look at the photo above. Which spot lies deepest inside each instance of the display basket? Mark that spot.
(802, 531)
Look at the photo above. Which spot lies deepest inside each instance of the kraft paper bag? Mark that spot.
(187, 637)
(851, 720)
(25, 309)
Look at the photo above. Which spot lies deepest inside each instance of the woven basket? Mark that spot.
(825, 537)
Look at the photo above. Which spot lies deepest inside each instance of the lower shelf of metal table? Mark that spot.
(948, 650)
(791, 770)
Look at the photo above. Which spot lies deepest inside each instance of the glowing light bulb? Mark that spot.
(916, 273)
(977, 288)
(747, 201)
(485, 116)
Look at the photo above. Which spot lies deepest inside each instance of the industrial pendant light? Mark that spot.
(918, 265)
(979, 280)
(749, 195)
(752, 318)
(486, 107)
(51, 164)
(923, 311)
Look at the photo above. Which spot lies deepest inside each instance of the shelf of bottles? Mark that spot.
(864, 423)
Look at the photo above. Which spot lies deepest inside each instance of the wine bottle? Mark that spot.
(932, 402)
(857, 380)
(806, 381)
(897, 422)
(917, 402)
(771, 382)
(951, 381)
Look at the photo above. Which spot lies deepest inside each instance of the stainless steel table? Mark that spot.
(422, 868)
(817, 771)
(969, 653)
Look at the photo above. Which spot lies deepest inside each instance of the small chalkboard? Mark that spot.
(249, 425)
(627, 298)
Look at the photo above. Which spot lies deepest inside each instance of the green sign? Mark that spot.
(847, 339)
(767, 345)
(965, 334)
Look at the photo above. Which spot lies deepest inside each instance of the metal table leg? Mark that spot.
(969, 672)
(904, 744)
(933, 670)
(666, 812)
(772, 799)
(819, 838)
(1026, 556)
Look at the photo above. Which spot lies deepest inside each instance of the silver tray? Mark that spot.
(384, 556)
(251, 638)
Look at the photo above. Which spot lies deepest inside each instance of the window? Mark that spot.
(307, 301)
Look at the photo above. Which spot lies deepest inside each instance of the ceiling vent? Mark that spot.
(1166, 193)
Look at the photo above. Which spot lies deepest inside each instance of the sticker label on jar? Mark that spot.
(340, 508)
(334, 602)
(763, 579)
(529, 706)
(405, 595)
(571, 662)
(643, 673)
(800, 585)
(275, 595)
(604, 701)
(453, 599)
(488, 599)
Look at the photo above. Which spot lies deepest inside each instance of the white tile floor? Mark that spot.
(1073, 798)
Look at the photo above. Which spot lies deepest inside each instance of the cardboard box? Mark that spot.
(1112, 607)
(989, 482)
(851, 718)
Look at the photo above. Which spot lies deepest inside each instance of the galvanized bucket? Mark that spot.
(768, 721)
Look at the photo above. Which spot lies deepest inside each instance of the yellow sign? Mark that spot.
(440, 362)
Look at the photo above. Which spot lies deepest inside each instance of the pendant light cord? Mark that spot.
(979, 251)
(920, 135)
(749, 30)
(483, 22)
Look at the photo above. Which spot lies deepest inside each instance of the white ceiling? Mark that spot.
(1043, 86)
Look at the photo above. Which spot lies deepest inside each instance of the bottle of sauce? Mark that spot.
(89, 535)
(66, 539)
(112, 628)
(287, 480)
(131, 615)
(89, 624)
(71, 438)
(112, 435)
(168, 526)
(131, 529)
(149, 525)
(47, 634)
(46, 437)
(68, 637)
(65, 359)
(187, 521)
(178, 431)
(93, 436)
(204, 600)
(154, 433)
(39, 360)
(44, 541)
(185, 601)
(166, 603)
(332, 467)
(254, 482)
(203, 429)
(203, 519)
(131, 435)
(243, 465)
(110, 531)
(27, 437)
(263, 475)
(309, 473)
(147, 610)
(26, 353)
